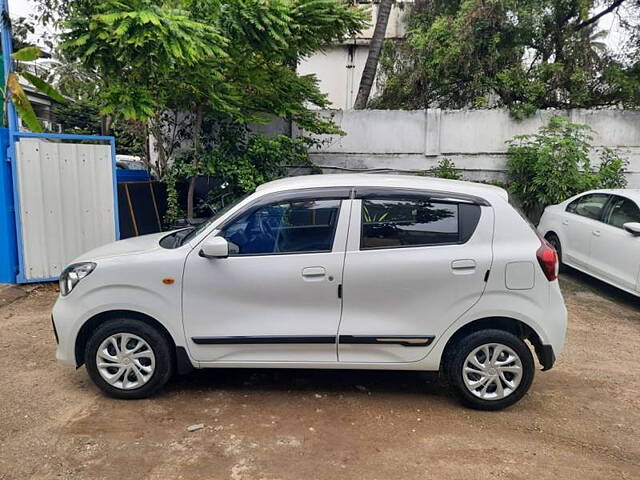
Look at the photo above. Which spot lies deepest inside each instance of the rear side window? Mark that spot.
(589, 206)
(285, 227)
(621, 211)
(405, 222)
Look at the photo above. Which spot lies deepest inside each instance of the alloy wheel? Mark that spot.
(125, 361)
(492, 371)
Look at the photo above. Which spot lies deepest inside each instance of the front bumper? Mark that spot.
(65, 331)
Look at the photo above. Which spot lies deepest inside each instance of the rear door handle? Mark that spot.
(596, 233)
(565, 222)
(463, 266)
(313, 273)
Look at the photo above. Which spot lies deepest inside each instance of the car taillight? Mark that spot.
(548, 260)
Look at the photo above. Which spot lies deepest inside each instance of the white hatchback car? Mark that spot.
(598, 232)
(324, 271)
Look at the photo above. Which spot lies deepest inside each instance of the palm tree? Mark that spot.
(375, 47)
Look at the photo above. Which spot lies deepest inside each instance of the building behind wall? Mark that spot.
(339, 68)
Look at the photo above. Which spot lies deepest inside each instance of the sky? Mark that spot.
(614, 40)
(20, 8)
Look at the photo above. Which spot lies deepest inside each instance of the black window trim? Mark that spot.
(299, 195)
(461, 240)
(604, 207)
(607, 208)
(381, 193)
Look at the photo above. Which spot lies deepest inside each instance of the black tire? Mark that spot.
(554, 241)
(158, 343)
(466, 345)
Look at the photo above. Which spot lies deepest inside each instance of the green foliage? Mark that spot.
(446, 168)
(18, 96)
(237, 57)
(138, 45)
(44, 87)
(548, 167)
(523, 54)
(26, 54)
(241, 160)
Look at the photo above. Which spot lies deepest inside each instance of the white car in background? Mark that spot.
(598, 232)
(325, 271)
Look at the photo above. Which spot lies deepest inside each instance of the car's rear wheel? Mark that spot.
(127, 358)
(490, 369)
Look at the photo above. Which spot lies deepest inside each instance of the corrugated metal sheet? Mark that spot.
(66, 202)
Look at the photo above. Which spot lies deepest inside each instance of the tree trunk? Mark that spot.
(105, 127)
(375, 47)
(197, 128)
(158, 137)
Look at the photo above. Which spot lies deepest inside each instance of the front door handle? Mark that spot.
(313, 273)
(463, 266)
(596, 233)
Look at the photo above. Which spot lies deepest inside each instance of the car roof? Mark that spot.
(632, 193)
(378, 180)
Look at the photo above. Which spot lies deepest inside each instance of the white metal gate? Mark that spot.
(66, 201)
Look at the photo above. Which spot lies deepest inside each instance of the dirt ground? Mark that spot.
(580, 420)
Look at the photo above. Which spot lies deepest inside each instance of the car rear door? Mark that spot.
(415, 262)
(615, 253)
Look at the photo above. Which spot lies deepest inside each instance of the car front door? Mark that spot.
(415, 262)
(275, 298)
(580, 222)
(615, 253)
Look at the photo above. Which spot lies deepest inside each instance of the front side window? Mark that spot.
(589, 206)
(284, 227)
(408, 222)
(621, 211)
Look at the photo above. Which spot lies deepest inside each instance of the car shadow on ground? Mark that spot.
(312, 381)
(572, 281)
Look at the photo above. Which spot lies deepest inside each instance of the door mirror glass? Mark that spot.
(214, 247)
(632, 227)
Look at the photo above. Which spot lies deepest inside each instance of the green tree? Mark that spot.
(548, 167)
(233, 59)
(524, 54)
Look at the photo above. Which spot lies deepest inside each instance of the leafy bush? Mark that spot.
(446, 169)
(240, 161)
(554, 164)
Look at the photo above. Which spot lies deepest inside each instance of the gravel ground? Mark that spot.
(580, 420)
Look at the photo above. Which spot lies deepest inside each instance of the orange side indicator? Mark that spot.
(168, 281)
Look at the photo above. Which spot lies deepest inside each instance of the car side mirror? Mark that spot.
(214, 247)
(632, 227)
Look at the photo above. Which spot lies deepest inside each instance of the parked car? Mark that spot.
(598, 232)
(324, 271)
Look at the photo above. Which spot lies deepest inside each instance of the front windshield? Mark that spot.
(195, 231)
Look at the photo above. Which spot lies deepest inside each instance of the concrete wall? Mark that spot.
(474, 139)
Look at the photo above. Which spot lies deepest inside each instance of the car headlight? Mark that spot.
(71, 275)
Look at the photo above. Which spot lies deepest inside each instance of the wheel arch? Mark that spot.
(508, 324)
(92, 323)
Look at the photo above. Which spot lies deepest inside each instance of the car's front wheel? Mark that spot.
(127, 358)
(490, 369)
